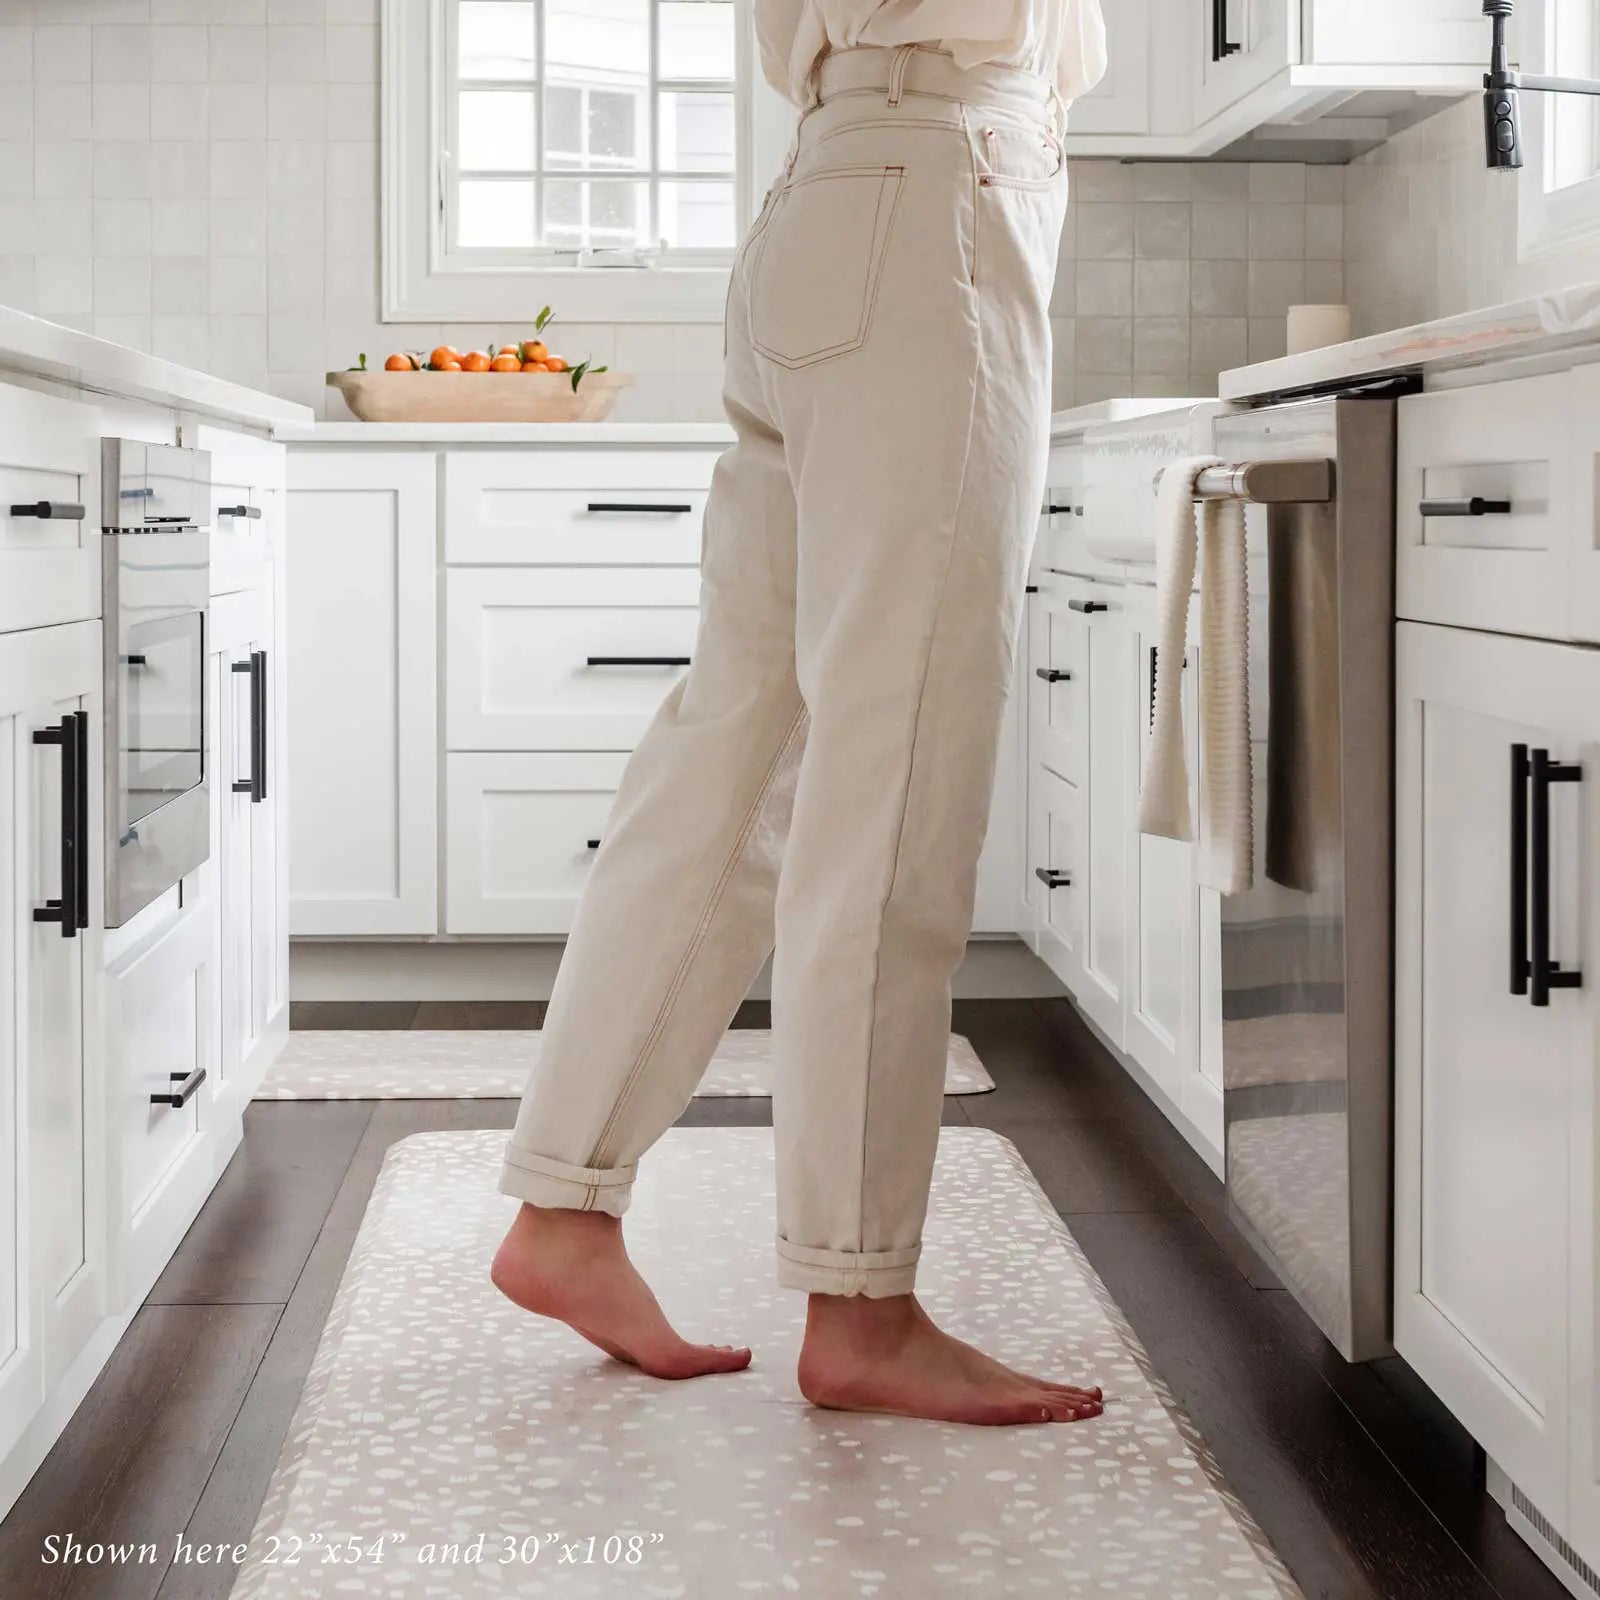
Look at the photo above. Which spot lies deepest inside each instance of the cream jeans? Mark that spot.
(821, 777)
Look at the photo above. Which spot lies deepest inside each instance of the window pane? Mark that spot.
(697, 39)
(498, 39)
(496, 132)
(698, 216)
(596, 214)
(594, 128)
(598, 41)
(496, 216)
(697, 133)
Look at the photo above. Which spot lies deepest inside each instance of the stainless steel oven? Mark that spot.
(157, 590)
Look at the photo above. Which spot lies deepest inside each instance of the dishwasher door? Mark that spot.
(1307, 978)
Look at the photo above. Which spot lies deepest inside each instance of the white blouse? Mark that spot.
(1060, 39)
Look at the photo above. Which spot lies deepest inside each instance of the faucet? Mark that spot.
(1502, 98)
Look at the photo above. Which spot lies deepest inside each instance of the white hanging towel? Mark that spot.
(1227, 850)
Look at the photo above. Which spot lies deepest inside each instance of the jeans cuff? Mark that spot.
(539, 1181)
(876, 1274)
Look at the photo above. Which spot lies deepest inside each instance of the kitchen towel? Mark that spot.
(1217, 540)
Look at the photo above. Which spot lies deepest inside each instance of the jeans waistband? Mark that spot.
(925, 73)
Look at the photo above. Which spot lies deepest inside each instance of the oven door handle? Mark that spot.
(71, 910)
(256, 784)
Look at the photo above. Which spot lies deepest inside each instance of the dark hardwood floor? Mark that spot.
(1367, 1487)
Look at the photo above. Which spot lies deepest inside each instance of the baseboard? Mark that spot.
(322, 969)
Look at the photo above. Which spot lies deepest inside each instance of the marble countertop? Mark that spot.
(524, 433)
(1080, 418)
(1544, 325)
(40, 349)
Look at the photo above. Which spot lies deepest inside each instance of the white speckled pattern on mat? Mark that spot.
(493, 1064)
(436, 1412)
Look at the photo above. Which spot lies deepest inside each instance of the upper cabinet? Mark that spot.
(1259, 78)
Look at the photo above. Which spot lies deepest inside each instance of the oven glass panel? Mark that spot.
(163, 722)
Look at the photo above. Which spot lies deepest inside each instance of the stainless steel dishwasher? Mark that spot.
(1307, 977)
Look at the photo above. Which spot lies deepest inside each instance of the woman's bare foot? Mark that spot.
(574, 1267)
(861, 1354)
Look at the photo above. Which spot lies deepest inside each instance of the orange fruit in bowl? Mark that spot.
(399, 363)
(505, 363)
(535, 350)
(556, 364)
(535, 366)
(447, 366)
(475, 361)
(445, 353)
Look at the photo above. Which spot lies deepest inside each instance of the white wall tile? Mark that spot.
(121, 286)
(239, 285)
(63, 227)
(238, 54)
(179, 53)
(62, 110)
(62, 53)
(64, 285)
(16, 111)
(120, 53)
(122, 228)
(62, 168)
(180, 286)
(16, 54)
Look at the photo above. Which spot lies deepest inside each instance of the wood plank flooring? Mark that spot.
(1367, 1487)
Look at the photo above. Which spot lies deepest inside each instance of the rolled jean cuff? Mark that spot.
(540, 1181)
(876, 1274)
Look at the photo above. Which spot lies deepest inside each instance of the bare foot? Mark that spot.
(861, 1354)
(573, 1266)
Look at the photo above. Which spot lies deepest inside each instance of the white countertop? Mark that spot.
(47, 350)
(1081, 418)
(1543, 326)
(525, 433)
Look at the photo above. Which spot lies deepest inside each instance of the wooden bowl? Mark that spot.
(478, 396)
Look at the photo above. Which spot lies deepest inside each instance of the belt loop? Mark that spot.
(897, 72)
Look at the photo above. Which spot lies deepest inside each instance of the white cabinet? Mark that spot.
(247, 487)
(1245, 43)
(1120, 102)
(1380, 33)
(49, 510)
(52, 1204)
(1495, 1101)
(247, 843)
(362, 640)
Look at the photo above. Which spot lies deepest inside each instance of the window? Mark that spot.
(1559, 202)
(608, 149)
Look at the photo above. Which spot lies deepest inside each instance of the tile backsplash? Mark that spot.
(199, 178)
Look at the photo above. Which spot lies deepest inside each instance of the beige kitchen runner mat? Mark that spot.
(493, 1064)
(447, 1445)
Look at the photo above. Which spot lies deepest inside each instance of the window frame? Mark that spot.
(424, 280)
(1550, 221)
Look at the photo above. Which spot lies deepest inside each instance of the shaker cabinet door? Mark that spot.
(1498, 797)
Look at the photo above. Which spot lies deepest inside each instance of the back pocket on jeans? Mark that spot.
(815, 284)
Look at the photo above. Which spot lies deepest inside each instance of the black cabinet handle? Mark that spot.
(184, 1093)
(637, 661)
(1052, 879)
(650, 507)
(1052, 675)
(1064, 511)
(71, 911)
(1032, 588)
(248, 513)
(1520, 771)
(1475, 506)
(1543, 973)
(256, 784)
(594, 844)
(1087, 607)
(1221, 45)
(51, 511)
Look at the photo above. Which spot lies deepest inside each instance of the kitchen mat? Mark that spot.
(493, 1064)
(448, 1445)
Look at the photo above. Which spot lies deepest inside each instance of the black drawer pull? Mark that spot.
(71, 910)
(1087, 607)
(1032, 588)
(1052, 879)
(249, 513)
(1063, 511)
(256, 784)
(1520, 770)
(1475, 506)
(51, 511)
(650, 507)
(184, 1093)
(637, 661)
(594, 844)
(1543, 973)
(1052, 675)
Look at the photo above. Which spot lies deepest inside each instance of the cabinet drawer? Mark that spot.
(49, 566)
(1055, 825)
(1485, 507)
(563, 658)
(1055, 687)
(247, 484)
(632, 507)
(522, 829)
